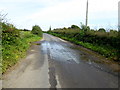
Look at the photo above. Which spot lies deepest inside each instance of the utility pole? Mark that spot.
(119, 16)
(86, 14)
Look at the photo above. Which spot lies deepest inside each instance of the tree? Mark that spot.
(74, 27)
(37, 30)
(84, 27)
(101, 30)
(65, 28)
(3, 17)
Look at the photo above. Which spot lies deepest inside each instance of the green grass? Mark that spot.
(13, 52)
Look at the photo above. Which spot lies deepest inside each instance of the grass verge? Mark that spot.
(12, 53)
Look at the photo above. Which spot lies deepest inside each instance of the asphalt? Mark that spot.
(56, 63)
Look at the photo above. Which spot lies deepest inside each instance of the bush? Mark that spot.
(74, 27)
(85, 28)
(10, 34)
(101, 30)
(37, 30)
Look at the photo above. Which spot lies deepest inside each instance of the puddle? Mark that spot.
(69, 53)
(94, 58)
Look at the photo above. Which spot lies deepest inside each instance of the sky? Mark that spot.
(60, 13)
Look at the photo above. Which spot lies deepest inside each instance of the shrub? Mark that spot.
(85, 28)
(37, 30)
(74, 27)
(101, 30)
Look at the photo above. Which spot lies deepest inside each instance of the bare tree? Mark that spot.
(3, 17)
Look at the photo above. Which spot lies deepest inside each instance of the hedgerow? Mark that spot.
(15, 43)
(105, 43)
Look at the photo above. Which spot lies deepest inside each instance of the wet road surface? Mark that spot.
(64, 65)
(77, 68)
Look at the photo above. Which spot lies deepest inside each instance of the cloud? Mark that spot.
(66, 12)
(59, 13)
(103, 5)
(62, 12)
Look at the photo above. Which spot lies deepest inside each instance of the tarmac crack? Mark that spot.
(52, 74)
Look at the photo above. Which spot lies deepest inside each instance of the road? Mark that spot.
(56, 63)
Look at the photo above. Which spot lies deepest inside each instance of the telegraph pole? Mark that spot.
(86, 14)
(119, 16)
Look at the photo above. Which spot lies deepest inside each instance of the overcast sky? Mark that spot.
(60, 13)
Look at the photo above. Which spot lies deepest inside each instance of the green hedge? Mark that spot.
(15, 44)
(105, 43)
